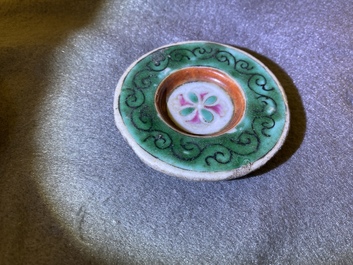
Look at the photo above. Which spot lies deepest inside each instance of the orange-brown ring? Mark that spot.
(200, 74)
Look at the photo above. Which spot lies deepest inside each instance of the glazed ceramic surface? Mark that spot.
(201, 110)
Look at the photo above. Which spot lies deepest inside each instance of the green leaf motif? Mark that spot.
(192, 96)
(186, 111)
(207, 115)
(211, 100)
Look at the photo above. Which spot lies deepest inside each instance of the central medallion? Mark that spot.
(200, 101)
(200, 108)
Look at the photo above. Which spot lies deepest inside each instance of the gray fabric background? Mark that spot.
(73, 192)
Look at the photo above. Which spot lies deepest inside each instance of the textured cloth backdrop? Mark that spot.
(73, 192)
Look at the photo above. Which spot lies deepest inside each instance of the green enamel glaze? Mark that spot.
(193, 97)
(186, 111)
(206, 115)
(211, 100)
(256, 134)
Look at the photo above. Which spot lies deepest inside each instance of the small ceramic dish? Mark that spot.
(201, 111)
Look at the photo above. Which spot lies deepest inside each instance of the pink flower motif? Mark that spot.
(196, 118)
(216, 108)
(200, 107)
(182, 101)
